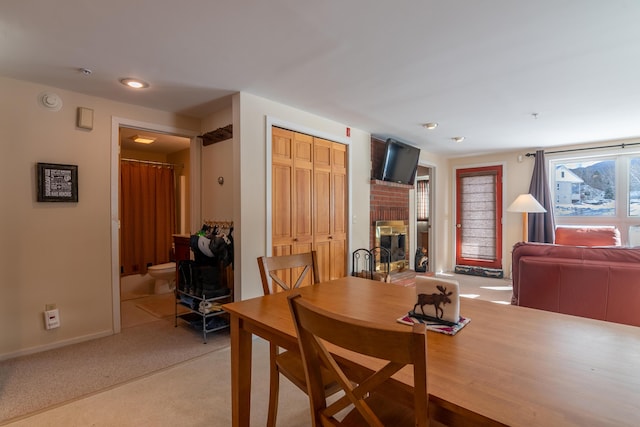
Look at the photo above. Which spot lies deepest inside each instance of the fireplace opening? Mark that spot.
(392, 235)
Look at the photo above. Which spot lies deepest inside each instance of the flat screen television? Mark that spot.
(400, 162)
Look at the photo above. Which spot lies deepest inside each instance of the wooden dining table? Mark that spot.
(510, 365)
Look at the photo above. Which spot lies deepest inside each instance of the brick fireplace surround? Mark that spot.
(388, 201)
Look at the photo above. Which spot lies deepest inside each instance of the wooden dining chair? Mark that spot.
(278, 272)
(395, 345)
(282, 273)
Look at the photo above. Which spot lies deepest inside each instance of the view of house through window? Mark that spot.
(585, 187)
(602, 190)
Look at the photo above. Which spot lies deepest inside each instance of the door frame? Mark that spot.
(500, 249)
(195, 154)
(413, 219)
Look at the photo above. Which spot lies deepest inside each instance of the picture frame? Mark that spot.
(57, 182)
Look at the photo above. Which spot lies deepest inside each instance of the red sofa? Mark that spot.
(596, 282)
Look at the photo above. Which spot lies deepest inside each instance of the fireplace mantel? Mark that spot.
(390, 184)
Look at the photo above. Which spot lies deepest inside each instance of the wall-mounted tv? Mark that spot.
(400, 162)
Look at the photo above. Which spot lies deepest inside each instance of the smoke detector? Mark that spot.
(50, 101)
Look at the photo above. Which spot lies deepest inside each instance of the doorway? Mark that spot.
(190, 149)
(479, 221)
(156, 166)
(424, 219)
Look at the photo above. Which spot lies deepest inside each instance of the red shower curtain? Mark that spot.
(147, 215)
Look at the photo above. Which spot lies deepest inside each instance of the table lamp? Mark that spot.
(526, 204)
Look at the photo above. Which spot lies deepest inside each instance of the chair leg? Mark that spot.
(274, 386)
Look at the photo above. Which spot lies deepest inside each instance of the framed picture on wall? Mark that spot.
(57, 183)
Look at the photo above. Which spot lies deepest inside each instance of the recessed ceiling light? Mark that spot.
(143, 139)
(430, 126)
(458, 138)
(134, 83)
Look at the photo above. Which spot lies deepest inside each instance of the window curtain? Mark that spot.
(147, 215)
(422, 192)
(542, 227)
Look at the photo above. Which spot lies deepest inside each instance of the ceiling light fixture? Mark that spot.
(134, 83)
(143, 139)
(458, 138)
(430, 126)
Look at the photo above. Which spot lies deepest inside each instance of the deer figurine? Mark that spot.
(435, 300)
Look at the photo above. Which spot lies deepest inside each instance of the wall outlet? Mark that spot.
(48, 307)
(52, 319)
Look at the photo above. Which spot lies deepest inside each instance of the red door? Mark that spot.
(479, 217)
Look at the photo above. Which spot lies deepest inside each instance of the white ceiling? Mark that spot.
(478, 68)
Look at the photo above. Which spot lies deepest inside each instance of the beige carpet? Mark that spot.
(31, 383)
(482, 288)
(194, 393)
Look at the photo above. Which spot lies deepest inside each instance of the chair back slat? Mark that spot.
(288, 271)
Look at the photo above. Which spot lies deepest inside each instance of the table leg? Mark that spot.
(240, 373)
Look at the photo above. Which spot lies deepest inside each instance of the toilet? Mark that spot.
(165, 277)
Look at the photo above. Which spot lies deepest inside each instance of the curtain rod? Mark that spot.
(586, 148)
(152, 162)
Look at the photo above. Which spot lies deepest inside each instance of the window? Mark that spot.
(634, 187)
(422, 202)
(478, 216)
(585, 187)
(599, 190)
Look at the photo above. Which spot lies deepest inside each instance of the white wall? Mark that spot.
(440, 222)
(61, 253)
(217, 161)
(217, 199)
(57, 252)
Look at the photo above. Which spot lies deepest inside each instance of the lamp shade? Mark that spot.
(526, 203)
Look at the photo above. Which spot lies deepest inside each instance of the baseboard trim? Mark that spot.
(57, 344)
